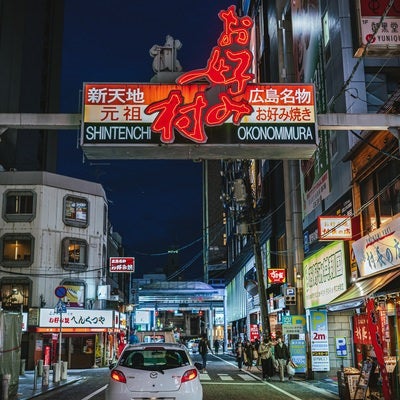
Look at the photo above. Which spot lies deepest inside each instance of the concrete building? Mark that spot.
(351, 56)
(54, 233)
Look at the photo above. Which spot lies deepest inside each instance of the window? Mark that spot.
(74, 254)
(15, 293)
(75, 293)
(76, 211)
(17, 250)
(379, 209)
(19, 205)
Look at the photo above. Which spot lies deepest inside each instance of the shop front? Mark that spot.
(372, 304)
(87, 337)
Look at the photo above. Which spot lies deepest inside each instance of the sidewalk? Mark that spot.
(326, 384)
(27, 388)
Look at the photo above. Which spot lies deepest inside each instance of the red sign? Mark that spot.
(122, 264)
(276, 275)
(254, 332)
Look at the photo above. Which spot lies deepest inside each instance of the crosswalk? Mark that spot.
(227, 377)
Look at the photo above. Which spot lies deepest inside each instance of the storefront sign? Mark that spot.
(319, 340)
(293, 324)
(338, 228)
(381, 36)
(76, 318)
(324, 275)
(298, 354)
(361, 333)
(122, 264)
(229, 110)
(276, 275)
(378, 250)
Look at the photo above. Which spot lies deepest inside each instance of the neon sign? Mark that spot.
(218, 107)
(227, 68)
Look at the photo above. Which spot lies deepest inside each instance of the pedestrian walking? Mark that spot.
(282, 355)
(204, 346)
(248, 355)
(216, 346)
(239, 354)
(265, 352)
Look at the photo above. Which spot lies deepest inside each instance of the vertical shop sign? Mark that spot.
(318, 322)
(298, 354)
(376, 338)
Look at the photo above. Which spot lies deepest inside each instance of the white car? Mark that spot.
(154, 371)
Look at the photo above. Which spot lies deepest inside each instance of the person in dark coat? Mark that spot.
(216, 346)
(239, 354)
(204, 346)
(282, 355)
(248, 355)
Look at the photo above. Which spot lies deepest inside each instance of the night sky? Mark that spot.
(155, 205)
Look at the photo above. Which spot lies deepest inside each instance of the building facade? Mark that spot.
(54, 233)
(301, 207)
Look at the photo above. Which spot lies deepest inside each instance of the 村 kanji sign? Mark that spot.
(227, 116)
(122, 264)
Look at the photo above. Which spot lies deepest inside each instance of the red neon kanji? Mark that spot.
(219, 73)
(190, 122)
(167, 109)
(219, 113)
(236, 29)
(214, 71)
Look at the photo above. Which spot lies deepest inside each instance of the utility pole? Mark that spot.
(250, 205)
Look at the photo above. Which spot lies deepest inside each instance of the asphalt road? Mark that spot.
(223, 380)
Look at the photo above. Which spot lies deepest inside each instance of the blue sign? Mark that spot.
(61, 308)
(61, 291)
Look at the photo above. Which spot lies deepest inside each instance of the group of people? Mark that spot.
(271, 355)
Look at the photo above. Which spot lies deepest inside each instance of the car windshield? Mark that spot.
(154, 359)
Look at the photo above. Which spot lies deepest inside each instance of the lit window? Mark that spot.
(19, 205)
(76, 211)
(15, 293)
(74, 254)
(17, 250)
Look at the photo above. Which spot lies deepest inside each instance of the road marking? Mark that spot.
(247, 377)
(317, 389)
(225, 377)
(94, 393)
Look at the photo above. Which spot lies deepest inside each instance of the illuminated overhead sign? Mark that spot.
(226, 115)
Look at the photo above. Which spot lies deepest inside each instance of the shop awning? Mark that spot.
(356, 294)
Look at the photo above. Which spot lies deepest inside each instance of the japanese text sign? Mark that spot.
(276, 275)
(122, 264)
(191, 113)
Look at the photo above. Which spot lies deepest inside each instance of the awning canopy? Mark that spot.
(355, 295)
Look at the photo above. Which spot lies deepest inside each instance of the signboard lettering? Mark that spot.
(229, 110)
